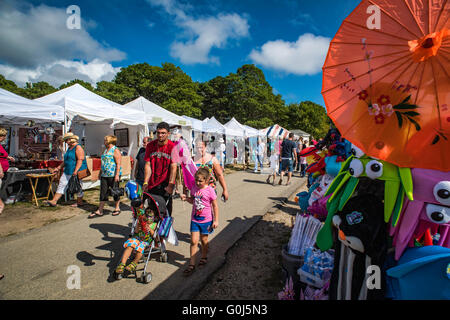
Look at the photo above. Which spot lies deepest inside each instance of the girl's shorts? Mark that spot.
(203, 228)
(137, 245)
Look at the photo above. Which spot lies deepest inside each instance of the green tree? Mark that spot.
(38, 89)
(245, 95)
(85, 84)
(167, 86)
(216, 96)
(116, 92)
(309, 117)
(11, 86)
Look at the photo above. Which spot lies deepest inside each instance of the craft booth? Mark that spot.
(92, 117)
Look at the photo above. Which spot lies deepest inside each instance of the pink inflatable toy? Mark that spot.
(181, 154)
(430, 210)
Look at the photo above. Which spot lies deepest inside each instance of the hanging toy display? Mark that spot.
(398, 183)
(428, 215)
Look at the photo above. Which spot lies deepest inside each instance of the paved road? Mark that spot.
(36, 263)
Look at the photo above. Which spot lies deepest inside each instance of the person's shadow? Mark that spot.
(114, 246)
(254, 181)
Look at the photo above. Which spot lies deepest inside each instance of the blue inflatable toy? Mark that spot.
(134, 192)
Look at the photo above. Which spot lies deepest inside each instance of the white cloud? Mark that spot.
(302, 57)
(31, 36)
(62, 71)
(203, 34)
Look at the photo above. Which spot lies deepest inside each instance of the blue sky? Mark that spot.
(287, 39)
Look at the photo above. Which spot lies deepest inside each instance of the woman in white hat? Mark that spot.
(74, 161)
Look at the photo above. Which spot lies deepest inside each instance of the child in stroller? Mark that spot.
(148, 213)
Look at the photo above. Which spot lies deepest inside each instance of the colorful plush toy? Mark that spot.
(318, 208)
(398, 182)
(303, 197)
(422, 273)
(429, 213)
(362, 243)
(332, 165)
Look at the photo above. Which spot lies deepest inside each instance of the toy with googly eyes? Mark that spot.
(429, 213)
(361, 242)
(397, 184)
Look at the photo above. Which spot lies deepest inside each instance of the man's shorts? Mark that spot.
(137, 245)
(203, 228)
(287, 165)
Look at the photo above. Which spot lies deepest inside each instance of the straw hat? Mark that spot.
(70, 135)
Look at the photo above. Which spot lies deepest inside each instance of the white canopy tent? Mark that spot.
(216, 132)
(156, 114)
(255, 137)
(276, 134)
(16, 111)
(205, 130)
(239, 138)
(91, 117)
(275, 131)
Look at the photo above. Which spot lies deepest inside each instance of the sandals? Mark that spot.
(120, 268)
(189, 270)
(131, 268)
(95, 215)
(115, 212)
(49, 204)
(203, 261)
(76, 204)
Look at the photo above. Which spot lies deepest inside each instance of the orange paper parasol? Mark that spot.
(386, 82)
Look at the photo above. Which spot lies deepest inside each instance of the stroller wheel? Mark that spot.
(164, 257)
(118, 276)
(146, 277)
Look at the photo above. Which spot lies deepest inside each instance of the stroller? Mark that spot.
(142, 201)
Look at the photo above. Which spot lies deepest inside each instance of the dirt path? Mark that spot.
(252, 270)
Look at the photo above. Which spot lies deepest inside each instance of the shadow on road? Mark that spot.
(254, 181)
(178, 286)
(89, 207)
(115, 248)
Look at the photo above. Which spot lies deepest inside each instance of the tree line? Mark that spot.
(245, 95)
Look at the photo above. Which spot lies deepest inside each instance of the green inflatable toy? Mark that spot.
(398, 182)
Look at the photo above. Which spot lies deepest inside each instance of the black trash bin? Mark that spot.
(290, 264)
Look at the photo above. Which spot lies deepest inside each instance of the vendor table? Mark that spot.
(49, 177)
(43, 164)
(15, 179)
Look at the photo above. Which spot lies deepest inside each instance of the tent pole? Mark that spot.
(65, 128)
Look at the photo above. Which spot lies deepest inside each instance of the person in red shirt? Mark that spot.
(160, 170)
